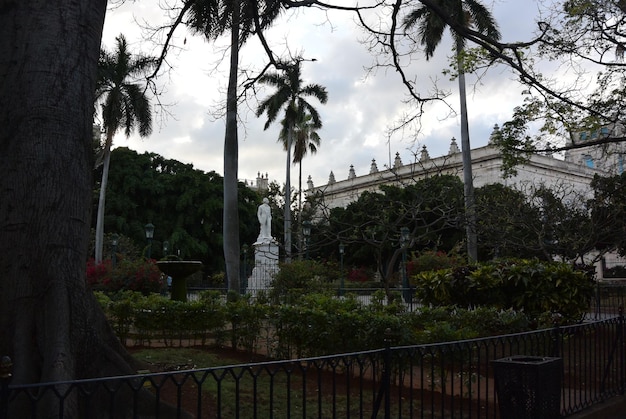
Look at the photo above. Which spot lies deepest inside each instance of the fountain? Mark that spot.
(179, 271)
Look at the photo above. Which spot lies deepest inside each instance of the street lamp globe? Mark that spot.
(149, 229)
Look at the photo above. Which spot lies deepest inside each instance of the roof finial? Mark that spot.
(373, 167)
(351, 173)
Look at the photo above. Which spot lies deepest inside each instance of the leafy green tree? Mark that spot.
(124, 104)
(549, 223)
(184, 203)
(609, 212)
(567, 229)
(291, 95)
(431, 208)
(506, 223)
(561, 113)
(431, 27)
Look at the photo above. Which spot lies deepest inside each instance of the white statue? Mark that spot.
(264, 214)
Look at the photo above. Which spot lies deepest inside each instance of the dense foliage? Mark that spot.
(431, 208)
(431, 260)
(529, 221)
(184, 204)
(320, 324)
(533, 286)
(297, 278)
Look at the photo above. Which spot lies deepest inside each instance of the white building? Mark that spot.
(575, 171)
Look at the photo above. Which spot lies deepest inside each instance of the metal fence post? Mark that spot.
(5, 377)
(387, 373)
(620, 343)
(385, 380)
(556, 340)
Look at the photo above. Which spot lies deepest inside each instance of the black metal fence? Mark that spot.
(608, 298)
(446, 380)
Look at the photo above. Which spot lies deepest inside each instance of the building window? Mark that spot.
(588, 161)
(583, 136)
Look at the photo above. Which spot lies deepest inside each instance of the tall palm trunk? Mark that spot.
(466, 156)
(231, 158)
(101, 201)
(287, 224)
(300, 236)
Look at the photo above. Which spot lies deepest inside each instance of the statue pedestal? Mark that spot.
(265, 266)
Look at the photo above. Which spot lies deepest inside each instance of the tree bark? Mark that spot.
(231, 161)
(287, 211)
(466, 157)
(50, 323)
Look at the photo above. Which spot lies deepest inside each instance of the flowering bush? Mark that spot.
(135, 275)
(358, 275)
(98, 273)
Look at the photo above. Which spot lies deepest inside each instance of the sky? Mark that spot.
(362, 104)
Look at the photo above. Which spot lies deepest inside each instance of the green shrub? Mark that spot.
(533, 286)
(246, 320)
(298, 278)
(444, 324)
(217, 280)
(433, 260)
(319, 324)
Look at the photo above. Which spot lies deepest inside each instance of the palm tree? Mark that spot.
(306, 139)
(213, 18)
(291, 95)
(124, 105)
(431, 26)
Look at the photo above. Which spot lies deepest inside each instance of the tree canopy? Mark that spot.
(184, 204)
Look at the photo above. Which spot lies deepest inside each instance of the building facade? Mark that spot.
(573, 172)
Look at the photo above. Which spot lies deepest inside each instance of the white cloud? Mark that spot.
(361, 107)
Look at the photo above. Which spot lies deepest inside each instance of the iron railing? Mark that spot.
(444, 380)
(607, 300)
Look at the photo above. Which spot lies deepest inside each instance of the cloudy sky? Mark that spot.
(362, 106)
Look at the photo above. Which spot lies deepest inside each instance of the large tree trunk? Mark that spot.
(231, 162)
(50, 323)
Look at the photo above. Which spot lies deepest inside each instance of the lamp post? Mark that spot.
(114, 241)
(166, 248)
(404, 242)
(149, 229)
(306, 232)
(342, 249)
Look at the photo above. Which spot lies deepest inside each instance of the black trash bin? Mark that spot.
(528, 387)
